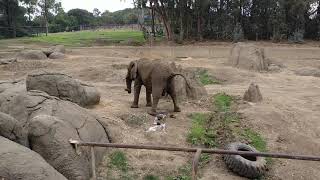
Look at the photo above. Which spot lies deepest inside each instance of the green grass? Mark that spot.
(199, 134)
(151, 177)
(83, 38)
(255, 139)
(222, 102)
(119, 160)
(207, 79)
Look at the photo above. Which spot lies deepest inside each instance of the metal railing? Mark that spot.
(197, 152)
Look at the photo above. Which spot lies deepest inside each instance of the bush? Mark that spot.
(297, 37)
(238, 33)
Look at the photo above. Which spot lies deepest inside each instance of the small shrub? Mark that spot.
(297, 37)
(255, 139)
(207, 79)
(199, 133)
(222, 102)
(150, 177)
(238, 34)
(119, 160)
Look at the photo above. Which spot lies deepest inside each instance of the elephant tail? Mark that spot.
(189, 87)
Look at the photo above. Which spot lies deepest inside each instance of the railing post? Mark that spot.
(195, 164)
(93, 163)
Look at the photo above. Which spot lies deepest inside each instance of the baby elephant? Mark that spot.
(157, 77)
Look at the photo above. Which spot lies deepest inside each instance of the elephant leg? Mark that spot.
(156, 95)
(148, 96)
(174, 99)
(137, 89)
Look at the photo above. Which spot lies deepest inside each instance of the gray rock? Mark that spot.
(12, 129)
(308, 72)
(195, 91)
(19, 162)
(63, 87)
(248, 56)
(54, 49)
(51, 123)
(31, 55)
(8, 61)
(253, 94)
(56, 55)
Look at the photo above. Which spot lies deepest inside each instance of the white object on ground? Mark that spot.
(161, 127)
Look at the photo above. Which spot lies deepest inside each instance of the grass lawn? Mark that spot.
(83, 38)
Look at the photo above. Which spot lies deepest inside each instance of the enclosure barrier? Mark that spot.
(197, 152)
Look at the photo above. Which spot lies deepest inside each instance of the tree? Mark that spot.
(82, 17)
(96, 12)
(45, 7)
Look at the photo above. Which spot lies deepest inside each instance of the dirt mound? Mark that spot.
(56, 55)
(63, 87)
(13, 130)
(51, 123)
(31, 55)
(194, 89)
(19, 162)
(253, 94)
(248, 56)
(308, 72)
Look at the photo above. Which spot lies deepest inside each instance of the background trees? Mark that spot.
(181, 19)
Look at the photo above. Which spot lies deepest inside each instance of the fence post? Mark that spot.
(93, 163)
(195, 164)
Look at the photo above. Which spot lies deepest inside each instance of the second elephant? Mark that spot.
(157, 77)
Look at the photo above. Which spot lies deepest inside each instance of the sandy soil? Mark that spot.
(288, 118)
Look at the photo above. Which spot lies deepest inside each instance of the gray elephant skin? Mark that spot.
(157, 76)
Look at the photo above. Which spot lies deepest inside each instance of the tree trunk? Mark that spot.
(182, 6)
(153, 23)
(199, 27)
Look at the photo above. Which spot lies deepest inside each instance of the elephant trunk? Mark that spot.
(128, 82)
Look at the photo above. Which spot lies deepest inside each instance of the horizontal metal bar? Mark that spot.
(209, 151)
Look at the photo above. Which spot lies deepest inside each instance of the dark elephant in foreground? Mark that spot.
(157, 77)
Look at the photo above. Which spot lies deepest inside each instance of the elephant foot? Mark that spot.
(177, 109)
(134, 106)
(149, 104)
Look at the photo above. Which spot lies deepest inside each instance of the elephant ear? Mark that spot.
(134, 70)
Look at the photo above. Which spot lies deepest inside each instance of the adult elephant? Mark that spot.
(157, 77)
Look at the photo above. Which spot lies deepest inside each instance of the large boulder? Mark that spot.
(19, 162)
(191, 88)
(12, 129)
(8, 61)
(63, 87)
(51, 123)
(56, 55)
(31, 55)
(308, 72)
(248, 56)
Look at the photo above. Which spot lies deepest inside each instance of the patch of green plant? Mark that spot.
(119, 160)
(150, 177)
(222, 102)
(199, 133)
(204, 159)
(184, 173)
(255, 139)
(207, 79)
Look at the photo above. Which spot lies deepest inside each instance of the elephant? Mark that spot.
(157, 77)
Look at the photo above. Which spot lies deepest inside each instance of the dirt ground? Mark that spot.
(288, 118)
